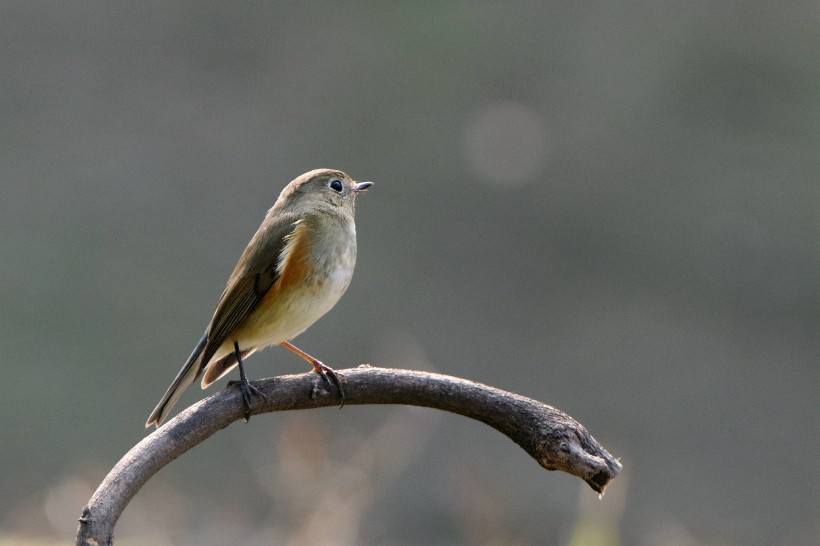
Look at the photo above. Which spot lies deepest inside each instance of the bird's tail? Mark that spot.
(187, 375)
(218, 368)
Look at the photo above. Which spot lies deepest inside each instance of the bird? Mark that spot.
(295, 268)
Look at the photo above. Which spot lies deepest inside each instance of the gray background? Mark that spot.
(610, 207)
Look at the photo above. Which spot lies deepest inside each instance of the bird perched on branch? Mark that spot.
(294, 270)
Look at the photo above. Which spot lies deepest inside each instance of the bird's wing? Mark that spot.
(256, 272)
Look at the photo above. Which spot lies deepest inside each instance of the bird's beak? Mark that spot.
(361, 186)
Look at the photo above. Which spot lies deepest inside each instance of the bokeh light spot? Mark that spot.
(506, 143)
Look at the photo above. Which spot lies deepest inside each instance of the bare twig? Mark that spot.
(551, 437)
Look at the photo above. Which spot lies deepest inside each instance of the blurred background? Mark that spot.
(609, 207)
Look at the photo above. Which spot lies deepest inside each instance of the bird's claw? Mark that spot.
(248, 391)
(329, 374)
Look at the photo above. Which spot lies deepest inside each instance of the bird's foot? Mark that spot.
(248, 392)
(329, 374)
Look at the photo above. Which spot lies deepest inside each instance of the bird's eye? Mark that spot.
(335, 185)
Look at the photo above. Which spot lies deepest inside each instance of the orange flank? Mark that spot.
(296, 264)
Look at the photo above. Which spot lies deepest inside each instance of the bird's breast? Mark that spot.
(316, 269)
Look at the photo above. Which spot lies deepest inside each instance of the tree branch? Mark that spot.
(554, 439)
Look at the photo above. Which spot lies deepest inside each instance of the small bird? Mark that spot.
(296, 267)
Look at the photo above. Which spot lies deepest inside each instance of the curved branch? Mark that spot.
(554, 439)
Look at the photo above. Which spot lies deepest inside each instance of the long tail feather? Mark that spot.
(187, 375)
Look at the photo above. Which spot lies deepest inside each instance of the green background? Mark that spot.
(611, 207)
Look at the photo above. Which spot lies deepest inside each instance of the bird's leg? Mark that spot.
(318, 367)
(244, 386)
